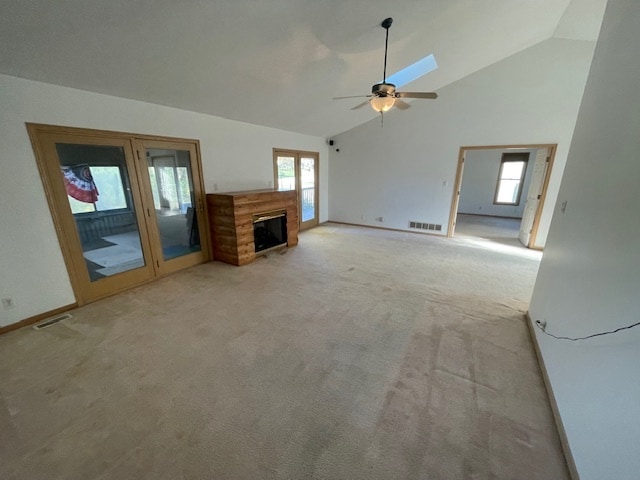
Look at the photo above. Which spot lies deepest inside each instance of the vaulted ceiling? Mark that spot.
(271, 62)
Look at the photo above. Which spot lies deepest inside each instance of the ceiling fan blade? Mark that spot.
(431, 95)
(360, 105)
(401, 104)
(352, 96)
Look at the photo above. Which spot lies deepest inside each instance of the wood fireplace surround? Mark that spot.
(231, 217)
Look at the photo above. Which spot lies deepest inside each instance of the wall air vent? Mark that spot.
(51, 321)
(433, 227)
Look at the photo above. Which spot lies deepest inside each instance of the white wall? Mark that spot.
(235, 156)
(589, 278)
(398, 172)
(479, 181)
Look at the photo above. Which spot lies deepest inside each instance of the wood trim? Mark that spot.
(455, 200)
(67, 256)
(45, 128)
(36, 318)
(293, 152)
(564, 441)
(543, 196)
(509, 147)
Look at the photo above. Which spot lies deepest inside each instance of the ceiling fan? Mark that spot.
(384, 95)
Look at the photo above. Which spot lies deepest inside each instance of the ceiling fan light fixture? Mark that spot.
(382, 104)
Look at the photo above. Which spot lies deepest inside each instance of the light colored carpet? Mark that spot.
(359, 354)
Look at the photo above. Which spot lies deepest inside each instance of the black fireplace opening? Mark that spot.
(270, 230)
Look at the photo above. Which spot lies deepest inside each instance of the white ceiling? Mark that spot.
(277, 62)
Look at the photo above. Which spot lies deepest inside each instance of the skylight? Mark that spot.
(417, 70)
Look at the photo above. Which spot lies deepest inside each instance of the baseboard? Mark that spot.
(571, 464)
(439, 235)
(36, 318)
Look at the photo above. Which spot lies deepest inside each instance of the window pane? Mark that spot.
(286, 173)
(172, 190)
(110, 189)
(308, 182)
(512, 170)
(94, 177)
(508, 191)
(80, 207)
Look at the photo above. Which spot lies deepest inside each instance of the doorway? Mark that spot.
(127, 208)
(298, 170)
(508, 189)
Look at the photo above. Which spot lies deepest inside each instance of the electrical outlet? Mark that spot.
(380, 219)
(8, 303)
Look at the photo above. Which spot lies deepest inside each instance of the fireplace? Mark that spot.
(270, 230)
(232, 217)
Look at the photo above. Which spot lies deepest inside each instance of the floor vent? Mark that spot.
(51, 321)
(434, 227)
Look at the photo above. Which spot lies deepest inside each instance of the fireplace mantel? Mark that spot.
(231, 221)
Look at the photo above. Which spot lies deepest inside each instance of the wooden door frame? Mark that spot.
(162, 266)
(38, 133)
(316, 194)
(455, 200)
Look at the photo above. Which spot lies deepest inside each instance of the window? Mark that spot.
(409, 74)
(511, 178)
(286, 172)
(111, 195)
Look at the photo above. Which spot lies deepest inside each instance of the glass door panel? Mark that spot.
(173, 194)
(286, 172)
(92, 190)
(307, 188)
(174, 189)
(98, 190)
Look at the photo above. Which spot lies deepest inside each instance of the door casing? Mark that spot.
(297, 155)
(552, 147)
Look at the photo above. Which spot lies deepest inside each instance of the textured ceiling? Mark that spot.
(278, 62)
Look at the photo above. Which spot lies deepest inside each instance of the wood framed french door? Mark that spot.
(298, 170)
(174, 202)
(120, 219)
